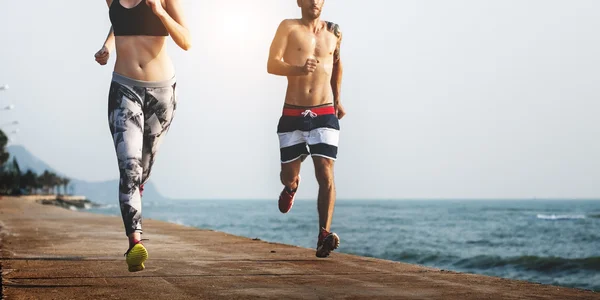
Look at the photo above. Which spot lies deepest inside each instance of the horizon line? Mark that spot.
(399, 199)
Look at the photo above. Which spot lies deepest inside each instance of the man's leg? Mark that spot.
(323, 142)
(290, 174)
(326, 200)
(290, 178)
(293, 150)
(328, 241)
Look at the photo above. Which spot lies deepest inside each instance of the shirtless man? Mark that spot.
(307, 52)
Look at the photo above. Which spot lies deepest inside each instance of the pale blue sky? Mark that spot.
(445, 99)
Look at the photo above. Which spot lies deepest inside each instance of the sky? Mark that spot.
(444, 99)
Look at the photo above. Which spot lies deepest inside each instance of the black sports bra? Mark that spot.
(138, 20)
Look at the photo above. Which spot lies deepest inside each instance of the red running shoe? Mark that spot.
(286, 198)
(328, 241)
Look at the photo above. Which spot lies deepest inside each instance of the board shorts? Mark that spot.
(308, 131)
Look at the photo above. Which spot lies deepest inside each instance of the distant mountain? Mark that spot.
(99, 192)
(28, 161)
(107, 191)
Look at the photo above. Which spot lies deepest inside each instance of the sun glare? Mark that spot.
(235, 26)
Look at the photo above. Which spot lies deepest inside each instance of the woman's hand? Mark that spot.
(156, 6)
(102, 56)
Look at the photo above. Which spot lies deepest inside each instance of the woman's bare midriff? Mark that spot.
(143, 58)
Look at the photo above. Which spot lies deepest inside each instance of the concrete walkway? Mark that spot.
(53, 253)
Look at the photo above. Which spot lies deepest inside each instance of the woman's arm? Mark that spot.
(109, 44)
(173, 19)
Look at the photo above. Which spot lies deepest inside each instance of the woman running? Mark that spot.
(141, 100)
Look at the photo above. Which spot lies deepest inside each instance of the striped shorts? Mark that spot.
(304, 132)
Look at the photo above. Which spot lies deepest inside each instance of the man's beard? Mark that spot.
(310, 14)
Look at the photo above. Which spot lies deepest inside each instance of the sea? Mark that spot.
(543, 241)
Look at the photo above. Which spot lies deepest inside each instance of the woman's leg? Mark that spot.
(126, 120)
(159, 108)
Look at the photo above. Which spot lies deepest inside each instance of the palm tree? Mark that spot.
(29, 181)
(65, 182)
(56, 182)
(4, 156)
(16, 176)
(38, 184)
(46, 182)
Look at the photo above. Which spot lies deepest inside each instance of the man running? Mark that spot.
(307, 52)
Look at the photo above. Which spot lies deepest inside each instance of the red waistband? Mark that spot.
(298, 112)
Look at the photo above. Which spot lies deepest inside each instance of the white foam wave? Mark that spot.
(108, 206)
(560, 217)
(176, 221)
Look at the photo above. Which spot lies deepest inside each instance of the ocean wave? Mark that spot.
(594, 216)
(531, 263)
(177, 221)
(480, 243)
(107, 206)
(417, 257)
(560, 217)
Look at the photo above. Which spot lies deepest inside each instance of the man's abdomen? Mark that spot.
(309, 90)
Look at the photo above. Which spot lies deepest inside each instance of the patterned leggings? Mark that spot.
(139, 115)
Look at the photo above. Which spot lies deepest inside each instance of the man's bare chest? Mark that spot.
(320, 45)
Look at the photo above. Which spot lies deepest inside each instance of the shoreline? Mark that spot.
(534, 267)
(44, 256)
(471, 255)
(515, 261)
(72, 202)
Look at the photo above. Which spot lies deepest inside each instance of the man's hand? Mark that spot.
(310, 66)
(339, 111)
(102, 56)
(156, 6)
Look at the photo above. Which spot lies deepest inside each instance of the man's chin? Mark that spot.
(312, 15)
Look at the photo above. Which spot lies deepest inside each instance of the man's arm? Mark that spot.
(172, 18)
(336, 80)
(336, 75)
(276, 65)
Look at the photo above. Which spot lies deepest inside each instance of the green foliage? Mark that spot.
(15, 182)
(4, 156)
